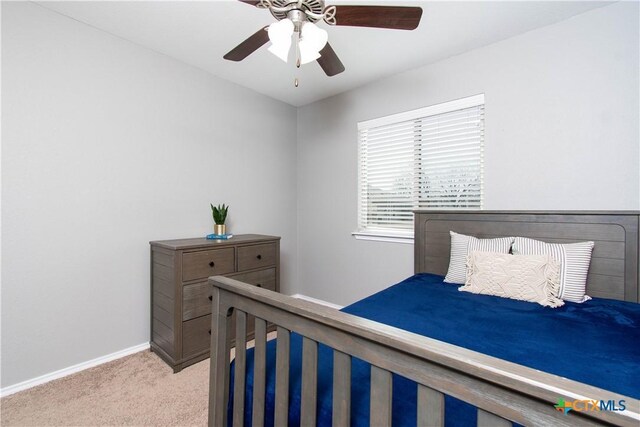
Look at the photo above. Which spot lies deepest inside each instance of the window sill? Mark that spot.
(383, 237)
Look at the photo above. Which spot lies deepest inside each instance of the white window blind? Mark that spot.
(431, 158)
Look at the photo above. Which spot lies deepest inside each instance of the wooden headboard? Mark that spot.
(614, 269)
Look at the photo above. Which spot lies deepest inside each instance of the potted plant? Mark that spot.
(219, 214)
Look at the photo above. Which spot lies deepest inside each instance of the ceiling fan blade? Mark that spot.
(251, 2)
(329, 61)
(394, 17)
(248, 46)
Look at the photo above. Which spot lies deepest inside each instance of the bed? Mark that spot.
(405, 357)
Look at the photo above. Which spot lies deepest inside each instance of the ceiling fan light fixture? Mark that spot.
(280, 50)
(312, 40)
(314, 36)
(307, 53)
(280, 36)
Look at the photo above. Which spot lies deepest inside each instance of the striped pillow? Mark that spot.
(462, 246)
(574, 259)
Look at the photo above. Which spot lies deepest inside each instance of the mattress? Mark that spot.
(596, 342)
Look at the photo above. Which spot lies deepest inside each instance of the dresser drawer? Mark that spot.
(196, 336)
(263, 278)
(256, 256)
(196, 300)
(202, 264)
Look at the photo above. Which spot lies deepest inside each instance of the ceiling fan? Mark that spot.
(297, 18)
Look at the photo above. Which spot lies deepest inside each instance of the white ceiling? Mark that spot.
(199, 33)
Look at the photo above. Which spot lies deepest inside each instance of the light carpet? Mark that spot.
(137, 390)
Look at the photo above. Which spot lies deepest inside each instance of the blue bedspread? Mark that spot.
(597, 342)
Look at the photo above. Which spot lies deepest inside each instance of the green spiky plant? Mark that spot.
(219, 213)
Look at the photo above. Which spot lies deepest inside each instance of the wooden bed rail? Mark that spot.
(503, 392)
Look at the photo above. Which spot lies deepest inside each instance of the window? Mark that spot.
(429, 158)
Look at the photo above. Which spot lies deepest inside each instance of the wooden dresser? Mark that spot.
(181, 297)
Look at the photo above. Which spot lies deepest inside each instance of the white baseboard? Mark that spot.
(24, 385)
(71, 370)
(318, 301)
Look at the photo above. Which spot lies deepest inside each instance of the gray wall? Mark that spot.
(106, 146)
(562, 122)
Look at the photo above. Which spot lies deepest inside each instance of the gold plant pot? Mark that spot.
(220, 229)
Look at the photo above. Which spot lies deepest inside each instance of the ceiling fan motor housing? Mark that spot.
(281, 9)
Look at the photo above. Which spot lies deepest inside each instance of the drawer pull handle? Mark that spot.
(210, 297)
(211, 264)
(209, 331)
(259, 257)
(259, 285)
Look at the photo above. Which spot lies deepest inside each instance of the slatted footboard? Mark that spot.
(502, 391)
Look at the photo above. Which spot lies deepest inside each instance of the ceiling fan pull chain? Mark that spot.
(297, 37)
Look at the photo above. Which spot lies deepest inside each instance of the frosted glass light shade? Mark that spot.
(312, 40)
(307, 53)
(281, 50)
(280, 36)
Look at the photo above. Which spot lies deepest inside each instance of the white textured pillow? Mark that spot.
(574, 259)
(533, 278)
(462, 246)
